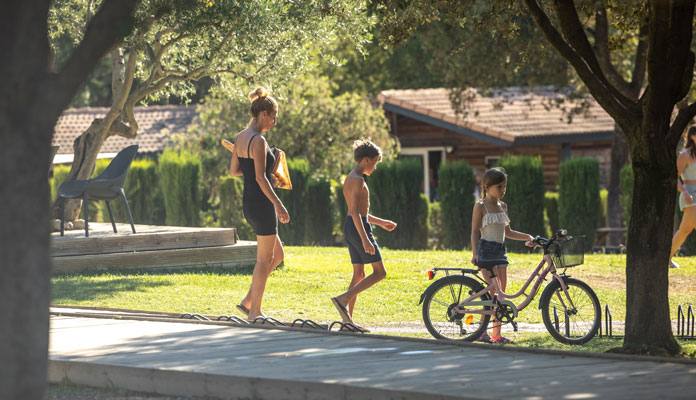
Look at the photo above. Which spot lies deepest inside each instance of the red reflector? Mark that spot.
(431, 274)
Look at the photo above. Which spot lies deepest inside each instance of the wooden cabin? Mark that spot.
(512, 121)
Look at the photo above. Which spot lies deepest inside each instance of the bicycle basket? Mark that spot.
(569, 252)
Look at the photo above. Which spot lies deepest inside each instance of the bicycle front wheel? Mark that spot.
(571, 319)
(438, 303)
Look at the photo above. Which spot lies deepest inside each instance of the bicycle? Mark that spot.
(570, 308)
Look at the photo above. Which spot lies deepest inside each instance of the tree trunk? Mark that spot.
(619, 157)
(648, 326)
(25, 239)
(31, 100)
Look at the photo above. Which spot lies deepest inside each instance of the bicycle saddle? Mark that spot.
(489, 264)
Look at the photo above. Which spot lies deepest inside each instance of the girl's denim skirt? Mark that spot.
(488, 250)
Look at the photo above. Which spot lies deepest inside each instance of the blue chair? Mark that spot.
(107, 186)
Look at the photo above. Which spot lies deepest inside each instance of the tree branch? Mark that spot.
(640, 64)
(574, 33)
(601, 49)
(626, 112)
(110, 25)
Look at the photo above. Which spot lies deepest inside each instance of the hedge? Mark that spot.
(626, 183)
(231, 208)
(320, 216)
(180, 177)
(456, 184)
(295, 201)
(551, 208)
(396, 194)
(578, 197)
(524, 196)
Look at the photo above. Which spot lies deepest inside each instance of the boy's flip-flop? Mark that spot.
(341, 309)
(243, 309)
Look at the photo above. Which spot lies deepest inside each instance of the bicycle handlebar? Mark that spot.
(545, 243)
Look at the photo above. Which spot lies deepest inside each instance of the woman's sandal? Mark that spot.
(501, 340)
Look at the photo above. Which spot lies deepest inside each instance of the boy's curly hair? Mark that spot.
(365, 148)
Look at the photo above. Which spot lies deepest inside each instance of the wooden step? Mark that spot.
(242, 253)
(145, 241)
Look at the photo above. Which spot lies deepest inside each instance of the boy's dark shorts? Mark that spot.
(355, 247)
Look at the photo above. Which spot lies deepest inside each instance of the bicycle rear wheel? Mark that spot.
(570, 324)
(439, 300)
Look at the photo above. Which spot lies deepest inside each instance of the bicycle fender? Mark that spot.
(422, 296)
(548, 288)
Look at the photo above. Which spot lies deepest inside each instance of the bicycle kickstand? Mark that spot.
(514, 325)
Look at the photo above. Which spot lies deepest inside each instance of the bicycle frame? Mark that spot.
(502, 297)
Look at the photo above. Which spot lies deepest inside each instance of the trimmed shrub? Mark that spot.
(231, 207)
(524, 196)
(319, 213)
(602, 214)
(456, 184)
(396, 194)
(551, 208)
(436, 235)
(578, 197)
(295, 201)
(341, 208)
(626, 197)
(60, 172)
(180, 175)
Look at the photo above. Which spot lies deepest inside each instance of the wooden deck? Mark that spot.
(150, 247)
(211, 359)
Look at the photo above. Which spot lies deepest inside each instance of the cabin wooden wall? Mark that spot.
(413, 133)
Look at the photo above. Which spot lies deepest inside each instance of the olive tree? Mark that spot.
(174, 43)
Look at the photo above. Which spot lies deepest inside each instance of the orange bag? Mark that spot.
(281, 173)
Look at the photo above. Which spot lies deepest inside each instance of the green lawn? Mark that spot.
(302, 288)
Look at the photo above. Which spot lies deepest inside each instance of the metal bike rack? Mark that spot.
(194, 316)
(307, 323)
(686, 324)
(268, 320)
(608, 323)
(232, 318)
(350, 327)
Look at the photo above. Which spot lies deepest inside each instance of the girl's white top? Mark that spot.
(493, 225)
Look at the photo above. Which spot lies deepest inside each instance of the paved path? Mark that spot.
(186, 358)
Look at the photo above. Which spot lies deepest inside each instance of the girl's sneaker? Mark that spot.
(501, 340)
(672, 264)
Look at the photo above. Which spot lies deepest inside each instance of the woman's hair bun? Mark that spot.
(258, 93)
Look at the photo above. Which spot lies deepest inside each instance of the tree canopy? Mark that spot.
(238, 44)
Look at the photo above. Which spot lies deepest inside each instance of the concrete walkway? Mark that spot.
(223, 361)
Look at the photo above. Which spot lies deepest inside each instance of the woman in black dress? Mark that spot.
(253, 159)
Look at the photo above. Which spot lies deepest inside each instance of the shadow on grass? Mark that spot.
(224, 271)
(71, 291)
